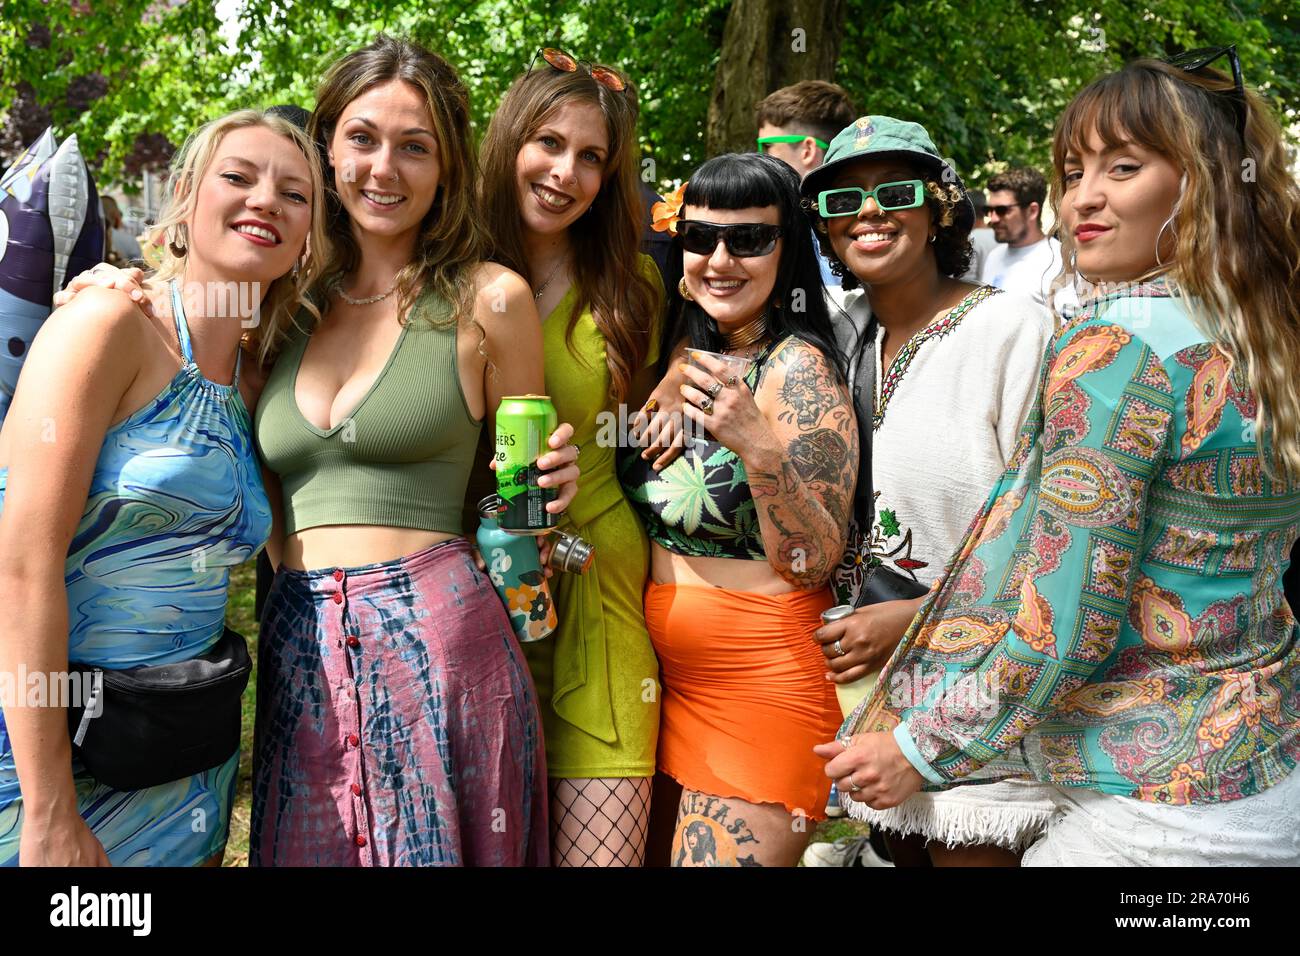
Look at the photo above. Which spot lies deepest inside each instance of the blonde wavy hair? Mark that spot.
(1236, 225)
(452, 243)
(286, 294)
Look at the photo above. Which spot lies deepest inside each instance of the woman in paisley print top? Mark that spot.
(1114, 623)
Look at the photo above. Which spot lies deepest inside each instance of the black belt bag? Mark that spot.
(147, 726)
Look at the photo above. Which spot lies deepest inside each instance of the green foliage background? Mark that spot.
(987, 77)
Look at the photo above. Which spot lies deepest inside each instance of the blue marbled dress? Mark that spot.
(176, 501)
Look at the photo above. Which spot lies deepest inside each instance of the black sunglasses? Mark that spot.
(1001, 210)
(1194, 60)
(744, 240)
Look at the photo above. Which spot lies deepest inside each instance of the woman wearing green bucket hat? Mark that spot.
(956, 366)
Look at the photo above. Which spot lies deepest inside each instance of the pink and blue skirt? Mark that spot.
(397, 724)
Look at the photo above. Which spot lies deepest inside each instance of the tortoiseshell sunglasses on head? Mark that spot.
(559, 60)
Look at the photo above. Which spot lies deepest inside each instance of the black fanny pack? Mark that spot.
(147, 726)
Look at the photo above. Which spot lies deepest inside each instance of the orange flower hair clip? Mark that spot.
(665, 215)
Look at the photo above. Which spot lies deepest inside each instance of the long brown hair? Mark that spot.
(607, 271)
(451, 241)
(287, 293)
(1236, 226)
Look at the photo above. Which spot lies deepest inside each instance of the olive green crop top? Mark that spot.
(401, 459)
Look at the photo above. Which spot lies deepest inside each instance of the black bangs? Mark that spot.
(741, 180)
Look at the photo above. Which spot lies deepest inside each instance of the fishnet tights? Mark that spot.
(599, 821)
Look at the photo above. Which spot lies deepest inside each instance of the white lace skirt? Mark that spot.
(1102, 829)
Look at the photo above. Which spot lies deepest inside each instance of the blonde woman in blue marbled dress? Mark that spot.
(110, 490)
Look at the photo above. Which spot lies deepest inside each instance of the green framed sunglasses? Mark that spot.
(888, 196)
(769, 140)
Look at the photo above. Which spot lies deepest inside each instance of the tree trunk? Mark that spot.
(768, 44)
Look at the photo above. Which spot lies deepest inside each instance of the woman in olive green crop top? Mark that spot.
(396, 719)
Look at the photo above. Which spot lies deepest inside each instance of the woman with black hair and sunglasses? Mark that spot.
(748, 524)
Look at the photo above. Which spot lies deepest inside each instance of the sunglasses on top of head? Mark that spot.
(744, 240)
(850, 200)
(1195, 60)
(559, 60)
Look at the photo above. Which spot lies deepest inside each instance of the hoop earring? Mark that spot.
(684, 292)
(1074, 270)
(1161, 234)
(934, 237)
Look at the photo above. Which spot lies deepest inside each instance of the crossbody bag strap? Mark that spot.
(864, 405)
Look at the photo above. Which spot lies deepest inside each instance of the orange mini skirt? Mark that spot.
(744, 696)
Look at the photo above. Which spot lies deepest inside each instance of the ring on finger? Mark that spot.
(853, 786)
(731, 381)
(839, 649)
(714, 389)
(706, 405)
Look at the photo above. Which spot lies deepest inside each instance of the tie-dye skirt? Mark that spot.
(396, 721)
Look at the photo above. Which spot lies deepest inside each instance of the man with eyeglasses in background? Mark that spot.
(796, 125)
(1025, 260)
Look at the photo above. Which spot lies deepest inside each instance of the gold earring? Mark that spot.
(684, 292)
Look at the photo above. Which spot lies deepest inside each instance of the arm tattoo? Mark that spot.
(806, 502)
(819, 457)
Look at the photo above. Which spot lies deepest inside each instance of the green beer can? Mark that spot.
(524, 422)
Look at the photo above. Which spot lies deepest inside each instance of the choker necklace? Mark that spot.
(368, 300)
(747, 334)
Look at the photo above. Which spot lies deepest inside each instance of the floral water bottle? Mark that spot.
(515, 569)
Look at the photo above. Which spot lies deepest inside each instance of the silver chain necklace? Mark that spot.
(368, 300)
(538, 294)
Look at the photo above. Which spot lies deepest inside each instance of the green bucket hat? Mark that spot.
(884, 137)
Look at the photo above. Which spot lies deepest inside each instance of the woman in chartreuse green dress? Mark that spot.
(561, 199)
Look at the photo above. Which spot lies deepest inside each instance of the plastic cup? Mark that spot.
(739, 366)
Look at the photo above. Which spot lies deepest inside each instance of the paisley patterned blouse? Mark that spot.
(1115, 619)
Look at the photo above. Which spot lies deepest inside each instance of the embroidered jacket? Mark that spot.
(1114, 618)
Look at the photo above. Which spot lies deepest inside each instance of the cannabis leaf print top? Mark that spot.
(700, 506)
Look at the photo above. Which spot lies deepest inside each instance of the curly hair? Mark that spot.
(948, 210)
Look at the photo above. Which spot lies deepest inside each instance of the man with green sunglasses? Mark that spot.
(795, 125)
